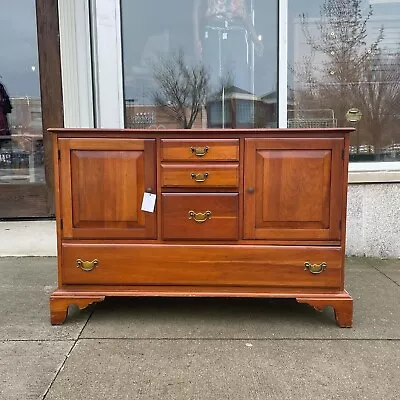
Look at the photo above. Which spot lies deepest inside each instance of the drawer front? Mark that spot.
(200, 216)
(199, 175)
(200, 150)
(169, 264)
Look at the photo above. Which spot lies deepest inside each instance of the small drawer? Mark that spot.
(199, 175)
(200, 216)
(200, 150)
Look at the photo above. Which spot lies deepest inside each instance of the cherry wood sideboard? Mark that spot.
(229, 213)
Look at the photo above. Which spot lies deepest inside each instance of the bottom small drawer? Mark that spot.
(200, 216)
(290, 267)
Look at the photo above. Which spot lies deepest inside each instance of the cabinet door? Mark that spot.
(293, 188)
(102, 184)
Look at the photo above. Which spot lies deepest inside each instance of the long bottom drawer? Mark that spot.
(141, 264)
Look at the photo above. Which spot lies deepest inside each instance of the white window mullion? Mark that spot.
(283, 62)
(76, 67)
(107, 59)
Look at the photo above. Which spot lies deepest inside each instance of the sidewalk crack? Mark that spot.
(61, 367)
(381, 272)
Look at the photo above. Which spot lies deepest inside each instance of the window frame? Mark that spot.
(107, 79)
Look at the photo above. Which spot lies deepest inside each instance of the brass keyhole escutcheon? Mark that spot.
(199, 177)
(315, 268)
(199, 151)
(87, 266)
(199, 217)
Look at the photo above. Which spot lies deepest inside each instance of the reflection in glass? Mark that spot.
(344, 67)
(21, 144)
(200, 63)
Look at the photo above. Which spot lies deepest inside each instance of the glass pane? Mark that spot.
(21, 136)
(344, 70)
(200, 63)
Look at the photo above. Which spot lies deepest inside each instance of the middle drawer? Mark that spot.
(200, 216)
(199, 175)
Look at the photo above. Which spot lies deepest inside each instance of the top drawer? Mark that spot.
(200, 149)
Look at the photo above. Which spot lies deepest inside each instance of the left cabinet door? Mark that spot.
(102, 183)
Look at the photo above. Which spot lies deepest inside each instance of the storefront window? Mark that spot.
(21, 136)
(200, 63)
(344, 70)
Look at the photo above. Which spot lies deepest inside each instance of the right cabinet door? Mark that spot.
(293, 189)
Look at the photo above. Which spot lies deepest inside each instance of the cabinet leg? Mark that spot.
(59, 306)
(343, 308)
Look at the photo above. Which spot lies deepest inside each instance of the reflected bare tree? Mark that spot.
(182, 88)
(353, 71)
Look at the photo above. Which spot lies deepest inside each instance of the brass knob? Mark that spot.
(149, 190)
(250, 190)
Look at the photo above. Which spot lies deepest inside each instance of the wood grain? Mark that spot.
(173, 264)
(223, 223)
(59, 305)
(50, 85)
(343, 307)
(296, 191)
(106, 181)
(217, 150)
(276, 200)
(217, 175)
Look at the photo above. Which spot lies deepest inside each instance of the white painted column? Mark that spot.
(107, 58)
(282, 63)
(76, 68)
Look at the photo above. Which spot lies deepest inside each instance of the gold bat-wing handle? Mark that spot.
(315, 268)
(199, 217)
(199, 177)
(87, 266)
(199, 151)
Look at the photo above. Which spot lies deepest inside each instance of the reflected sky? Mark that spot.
(18, 48)
(156, 20)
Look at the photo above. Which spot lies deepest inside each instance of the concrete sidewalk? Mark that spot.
(198, 348)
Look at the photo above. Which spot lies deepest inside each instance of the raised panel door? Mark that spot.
(102, 186)
(293, 188)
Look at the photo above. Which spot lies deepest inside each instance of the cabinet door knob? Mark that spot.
(250, 190)
(149, 190)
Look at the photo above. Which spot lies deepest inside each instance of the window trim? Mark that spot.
(76, 68)
(374, 172)
(107, 61)
(283, 13)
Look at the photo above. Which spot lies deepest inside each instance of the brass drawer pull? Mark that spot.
(199, 151)
(86, 266)
(199, 217)
(315, 268)
(199, 177)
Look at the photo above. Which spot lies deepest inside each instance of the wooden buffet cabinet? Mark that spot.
(238, 213)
